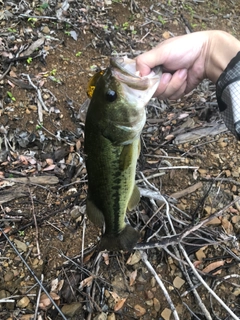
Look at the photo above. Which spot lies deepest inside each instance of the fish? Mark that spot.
(114, 121)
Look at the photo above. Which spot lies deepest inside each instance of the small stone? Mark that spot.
(20, 245)
(71, 309)
(111, 316)
(23, 303)
(8, 276)
(149, 294)
(178, 282)
(156, 304)
(45, 30)
(27, 317)
(228, 173)
(200, 255)
(101, 316)
(140, 311)
(214, 222)
(166, 314)
(235, 219)
(236, 292)
(149, 303)
(32, 107)
(75, 212)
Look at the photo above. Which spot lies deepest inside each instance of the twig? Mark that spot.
(159, 281)
(206, 285)
(38, 92)
(36, 226)
(33, 274)
(38, 299)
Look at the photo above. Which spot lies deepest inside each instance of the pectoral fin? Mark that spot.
(126, 157)
(135, 198)
(94, 214)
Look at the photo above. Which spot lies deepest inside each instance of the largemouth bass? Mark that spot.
(114, 121)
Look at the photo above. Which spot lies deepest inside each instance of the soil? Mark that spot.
(46, 221)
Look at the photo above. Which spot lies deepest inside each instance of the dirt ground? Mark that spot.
(43, 180)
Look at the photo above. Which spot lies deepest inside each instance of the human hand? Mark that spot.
(187, 60)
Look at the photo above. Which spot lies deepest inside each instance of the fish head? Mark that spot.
(119, 100)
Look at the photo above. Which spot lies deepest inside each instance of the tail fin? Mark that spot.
(125, 240)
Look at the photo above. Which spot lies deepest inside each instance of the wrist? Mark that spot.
(220, 50)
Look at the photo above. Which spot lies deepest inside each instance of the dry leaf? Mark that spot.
(134, 258)
(119, 304)
(115, 296)
(212, 266)
(23, 159)
(88, 257)
(86, 282)
(49, 161)
(132, 277)
(106, 258)
(49, 168)
(227, 226)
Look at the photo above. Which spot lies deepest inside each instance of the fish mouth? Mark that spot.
(124, 70)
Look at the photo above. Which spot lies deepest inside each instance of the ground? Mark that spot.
(45, 236)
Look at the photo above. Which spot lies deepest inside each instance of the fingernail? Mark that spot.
(166, 77)
(182, 73)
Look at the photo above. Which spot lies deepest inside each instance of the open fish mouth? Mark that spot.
(124, 70)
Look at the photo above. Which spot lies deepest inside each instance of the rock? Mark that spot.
(20, 245)
(149, 303)
(235, 219)
(23, 303)
(178, 282)
(71, 309)
(46, 30)
(200, 255)
(9, 275)
(237, 203)
(140, 311)
(156, 304)
(101, 316)
(166, 314)
(214, 222)
(27, 317)
(111, 316)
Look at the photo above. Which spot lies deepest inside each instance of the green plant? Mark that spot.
(53, 72)
(67, 33)
(32, 21)
(125, 25)
(21, 233)
(11, 96)
(29, 60)
(39, 126)
(12, 30)
(161, 19)
(78, 54)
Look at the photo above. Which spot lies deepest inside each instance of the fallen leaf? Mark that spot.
(106, 258)
(132, 277)
(227, 226)
(212, 266)
(119, 304)
(134, 258)
(86, 282)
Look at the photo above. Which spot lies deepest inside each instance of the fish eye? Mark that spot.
(111, 95)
